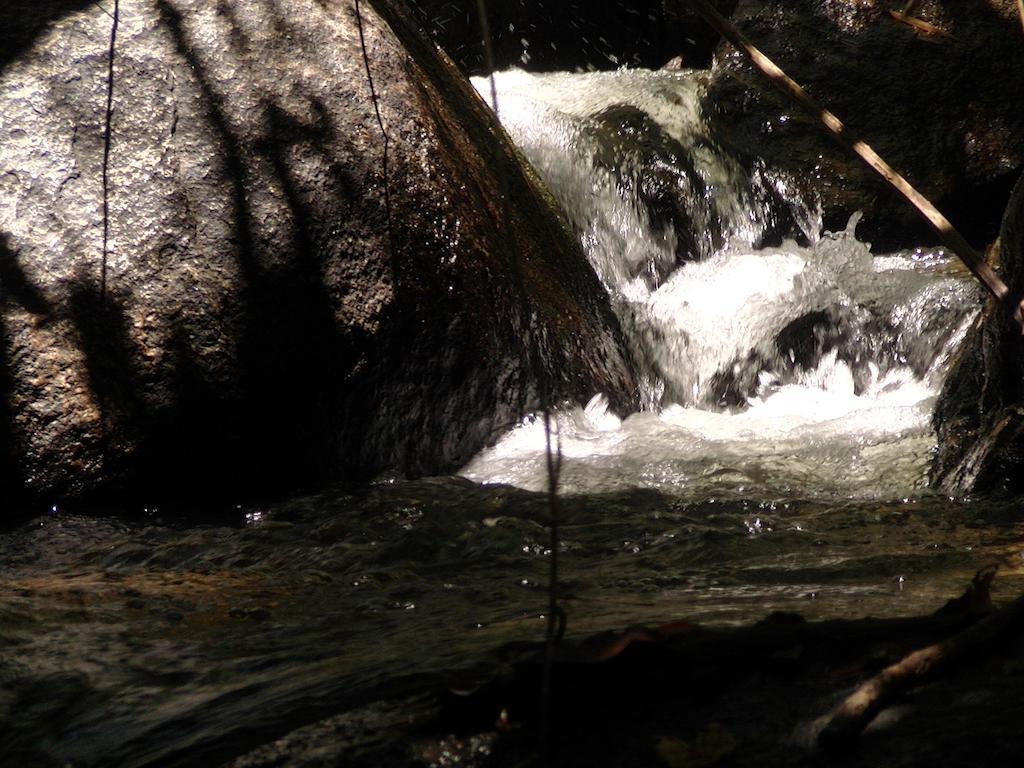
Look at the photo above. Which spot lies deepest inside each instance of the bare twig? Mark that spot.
(919, 25)
(834, 126)
(860, 708)
(108, 121)
(384, 133)
(485, 34)
(556, 616)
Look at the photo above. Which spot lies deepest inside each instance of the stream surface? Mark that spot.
(779, 465)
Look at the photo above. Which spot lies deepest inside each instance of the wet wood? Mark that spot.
(870, 698)
(835, 127)
(679, 694)
(918, 25)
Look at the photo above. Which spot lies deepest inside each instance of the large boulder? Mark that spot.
(979, 418)
(274, 306)
(944, 111)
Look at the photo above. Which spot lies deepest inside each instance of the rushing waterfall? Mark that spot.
(807, 367)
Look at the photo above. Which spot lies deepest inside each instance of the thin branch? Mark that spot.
(485, 34)
(556, 616)
(98, 5)
(1020, 11)
(106, 148)
(834, 126)
(384, 133)
(870, 698)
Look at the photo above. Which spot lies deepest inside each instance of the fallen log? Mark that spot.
(921, 666)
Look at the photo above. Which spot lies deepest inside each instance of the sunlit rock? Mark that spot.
(259, 318)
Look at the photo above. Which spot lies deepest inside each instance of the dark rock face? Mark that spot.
(945, 112)
(979, 418)
(262, 317)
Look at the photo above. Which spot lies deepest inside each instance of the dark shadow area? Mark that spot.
(188, 436)
(111, 359)
(292, 357)
(980, 207)
(674, 695)
(15, 286)
(155, 463)
(180, 436)
(15, 290)
(22, 22)
(11, 479)
(979, 416)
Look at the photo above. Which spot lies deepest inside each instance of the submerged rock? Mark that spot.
(980, 414)
(942, 110)
(273, 306)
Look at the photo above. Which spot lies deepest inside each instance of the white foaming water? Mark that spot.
(802, 442)
(598, 138)
(793, 371)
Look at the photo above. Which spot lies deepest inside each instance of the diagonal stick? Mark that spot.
(834, 126)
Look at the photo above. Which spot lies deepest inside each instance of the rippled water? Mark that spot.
(137, 643)
(780, 465)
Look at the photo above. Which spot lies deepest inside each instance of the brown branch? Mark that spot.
(918, 25)
(834, 127)
(873, 696)
(556, 616)
(1020, 10)
(107, 125)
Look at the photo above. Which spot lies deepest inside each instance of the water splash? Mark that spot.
(805, 369)
(803, 442)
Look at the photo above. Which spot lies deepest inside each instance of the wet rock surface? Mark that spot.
(272, 307)
(979, 418)
(942, 110)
